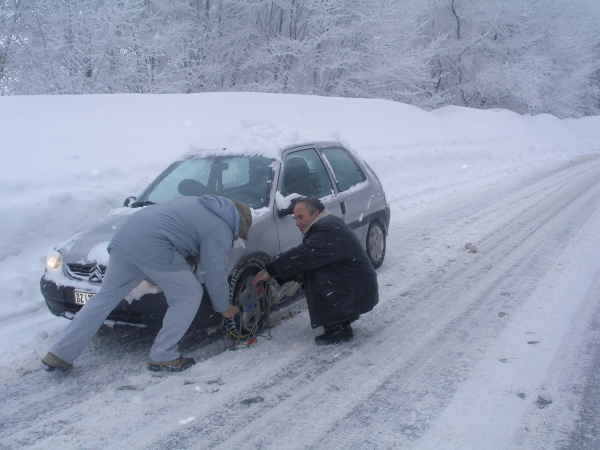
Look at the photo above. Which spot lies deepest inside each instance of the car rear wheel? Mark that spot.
(376, 243)
(251, 300)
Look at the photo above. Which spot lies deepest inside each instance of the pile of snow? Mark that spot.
(68, 160)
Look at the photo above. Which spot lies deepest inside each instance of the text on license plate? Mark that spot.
(82, 297)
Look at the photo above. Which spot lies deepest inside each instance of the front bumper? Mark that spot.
(148, 310)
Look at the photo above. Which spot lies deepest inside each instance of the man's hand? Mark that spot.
(232, 311)
(261, 276)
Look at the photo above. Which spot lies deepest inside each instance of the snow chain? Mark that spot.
(236, 337)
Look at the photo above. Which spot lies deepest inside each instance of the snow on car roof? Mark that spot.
(261, 138)
(228, 151)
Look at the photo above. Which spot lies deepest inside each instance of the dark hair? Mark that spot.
(312, 204)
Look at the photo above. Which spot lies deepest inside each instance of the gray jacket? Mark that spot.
(161, 236)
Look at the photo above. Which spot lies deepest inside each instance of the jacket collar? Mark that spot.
(322, 215)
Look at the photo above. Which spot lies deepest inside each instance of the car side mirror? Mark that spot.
(289, 209)
(285, 211)
(128, 201)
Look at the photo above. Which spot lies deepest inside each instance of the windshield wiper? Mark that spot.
(140, 204)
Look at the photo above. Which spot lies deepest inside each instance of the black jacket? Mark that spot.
(339, 280)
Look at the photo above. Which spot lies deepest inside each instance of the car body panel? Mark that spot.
(78, 250)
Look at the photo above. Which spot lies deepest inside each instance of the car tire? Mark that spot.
(243, 295)
(376, 243)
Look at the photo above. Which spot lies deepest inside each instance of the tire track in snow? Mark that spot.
(550, 425)
(49, 404)
(394, 412)
(342, 386)
(585, 434)
(405, 368)
(480, 316)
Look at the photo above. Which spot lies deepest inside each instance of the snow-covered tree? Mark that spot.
(529, 56)
(534, 56)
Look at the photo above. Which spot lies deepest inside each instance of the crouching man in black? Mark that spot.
(333, 268)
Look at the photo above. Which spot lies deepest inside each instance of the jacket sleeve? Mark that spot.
(214, 256)
(322, 247)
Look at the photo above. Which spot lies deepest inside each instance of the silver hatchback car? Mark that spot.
(346, 185)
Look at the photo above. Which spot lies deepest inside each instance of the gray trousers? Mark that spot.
(182, 290)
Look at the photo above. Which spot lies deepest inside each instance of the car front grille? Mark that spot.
(92, 272)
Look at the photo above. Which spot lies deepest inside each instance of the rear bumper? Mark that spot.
(148, 310)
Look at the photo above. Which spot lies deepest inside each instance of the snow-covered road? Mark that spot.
(494, 349)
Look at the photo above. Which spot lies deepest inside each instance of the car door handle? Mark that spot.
(343, 206)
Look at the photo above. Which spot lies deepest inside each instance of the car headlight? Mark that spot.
(53, 261)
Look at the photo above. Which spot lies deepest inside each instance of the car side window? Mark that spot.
(305, 174)
(345, 169)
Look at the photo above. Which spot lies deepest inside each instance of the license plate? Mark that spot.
(82, 297)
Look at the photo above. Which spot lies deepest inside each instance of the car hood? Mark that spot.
(90, 246)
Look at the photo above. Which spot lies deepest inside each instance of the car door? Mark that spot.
(303, 173)
(354, 190)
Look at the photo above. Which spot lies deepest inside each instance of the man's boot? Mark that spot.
(51, 362)
(335, 334)
(177, 365)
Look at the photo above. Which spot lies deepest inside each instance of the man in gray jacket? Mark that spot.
(154, 242)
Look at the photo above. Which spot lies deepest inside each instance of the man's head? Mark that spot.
(245, 219)
(306, 211)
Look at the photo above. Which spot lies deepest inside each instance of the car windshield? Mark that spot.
(246, 179)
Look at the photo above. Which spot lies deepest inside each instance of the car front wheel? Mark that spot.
(251, 300)
(376, 243)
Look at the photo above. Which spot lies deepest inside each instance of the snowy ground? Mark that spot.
(494, 349)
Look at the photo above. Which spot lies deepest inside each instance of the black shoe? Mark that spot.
(177, 365)
(335, 334)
